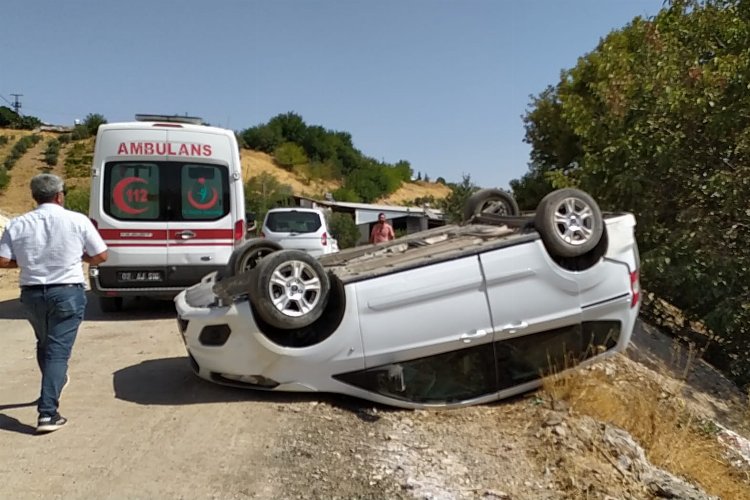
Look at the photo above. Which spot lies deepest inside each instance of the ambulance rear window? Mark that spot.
(133, 190)
(202, 196)
(165, 191)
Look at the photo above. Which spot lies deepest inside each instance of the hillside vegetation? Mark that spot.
(656, 121)
(73, 163)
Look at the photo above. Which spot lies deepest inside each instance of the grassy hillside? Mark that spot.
(75, 159)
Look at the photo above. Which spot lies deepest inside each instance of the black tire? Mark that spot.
(290, 290)
(490, 202)
(248, 256)
(110, 304)
(569, 222)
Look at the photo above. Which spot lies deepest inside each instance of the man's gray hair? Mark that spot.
(44, 187)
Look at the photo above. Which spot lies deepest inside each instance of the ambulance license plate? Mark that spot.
(139, 276)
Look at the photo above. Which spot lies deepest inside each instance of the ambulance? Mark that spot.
(167, 197)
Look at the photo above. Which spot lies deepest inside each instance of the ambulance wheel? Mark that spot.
(569, 222)
(290, 290)
(249, 255)
(490, 202)
(110, 304)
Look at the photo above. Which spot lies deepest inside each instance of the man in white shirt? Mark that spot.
(49, 245)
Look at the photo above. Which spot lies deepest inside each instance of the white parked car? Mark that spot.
(456, 315)
(298, 228)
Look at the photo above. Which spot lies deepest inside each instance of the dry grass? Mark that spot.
(672, 438)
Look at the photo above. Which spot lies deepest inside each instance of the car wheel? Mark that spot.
(290, 290)
(569, 222)
(110, 304)
(248, 256)
(490, 202)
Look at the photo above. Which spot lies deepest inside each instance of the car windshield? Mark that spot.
(293, 222)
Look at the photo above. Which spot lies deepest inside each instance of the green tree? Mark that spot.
(265, 192)
(290, 154)
(453, 205)
(92, 122)
(344, 229)
(261, 138)
(655, 121)
(11, 119)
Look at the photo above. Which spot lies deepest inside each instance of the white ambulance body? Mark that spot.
(167, 197)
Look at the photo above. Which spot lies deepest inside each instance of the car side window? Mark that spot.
(444, 378)
(530, 357)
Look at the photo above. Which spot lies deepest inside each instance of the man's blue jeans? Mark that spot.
(55, 313)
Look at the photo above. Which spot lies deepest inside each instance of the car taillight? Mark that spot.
(324, 239)
(635, 288)
(239, 230)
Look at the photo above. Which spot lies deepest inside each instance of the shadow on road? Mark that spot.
(11, 309)
(133, 309)
(11, 424)
(170, 381)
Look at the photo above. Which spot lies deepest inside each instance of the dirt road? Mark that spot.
(140, 423)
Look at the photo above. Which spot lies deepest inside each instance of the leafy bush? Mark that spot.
(19, 148)
(290, 154)
(51, 153)
(77, 199)
(78, 160)
(92, 122)
(346, 194)
(654, 121)
(11, 119)
(4, 140)
(294, 143)
(265, 192)
(344, 229)
(4, 178)
(453, 205)
(80, 132)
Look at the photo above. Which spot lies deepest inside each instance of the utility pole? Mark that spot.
(17, 103)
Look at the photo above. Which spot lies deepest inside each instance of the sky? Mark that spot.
(442, 84)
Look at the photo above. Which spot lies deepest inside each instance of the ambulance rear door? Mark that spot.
(203, 213)
(132, 218)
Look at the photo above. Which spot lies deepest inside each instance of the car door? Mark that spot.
(426, 334)
(530, 299)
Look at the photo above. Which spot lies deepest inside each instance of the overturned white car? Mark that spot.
(457, 315)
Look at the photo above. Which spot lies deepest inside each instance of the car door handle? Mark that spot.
(186, 235)
(468, 337)
(514, 327)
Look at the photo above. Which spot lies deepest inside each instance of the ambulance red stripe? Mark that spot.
(162, 234)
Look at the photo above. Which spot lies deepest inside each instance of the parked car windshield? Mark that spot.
(293, 222)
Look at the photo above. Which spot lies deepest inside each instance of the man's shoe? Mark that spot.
(50, 424)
